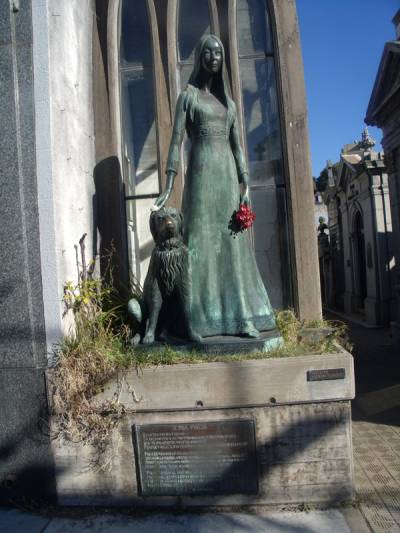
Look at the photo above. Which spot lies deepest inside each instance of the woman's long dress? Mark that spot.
(228, 296)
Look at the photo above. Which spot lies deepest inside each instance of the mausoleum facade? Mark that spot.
(358, 263)
(88, 96)
(384, 111)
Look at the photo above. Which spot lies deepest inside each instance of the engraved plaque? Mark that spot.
(196, 458)
(326, 374)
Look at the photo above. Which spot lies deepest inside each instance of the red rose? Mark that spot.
(244, 217)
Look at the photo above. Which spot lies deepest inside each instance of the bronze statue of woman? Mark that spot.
(227, 295)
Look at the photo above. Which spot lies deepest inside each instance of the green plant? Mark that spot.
(288, 325)
(312, 336)
(94, 351)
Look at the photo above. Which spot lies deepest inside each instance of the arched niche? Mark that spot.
(284, 155)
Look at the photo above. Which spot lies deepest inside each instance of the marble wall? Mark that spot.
(24, 449)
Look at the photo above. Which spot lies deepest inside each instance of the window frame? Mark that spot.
(285, 240)
(159, 91)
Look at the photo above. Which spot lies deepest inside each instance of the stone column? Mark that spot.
(371, 302)
(298, 166)
(26, 466)
(378, 308)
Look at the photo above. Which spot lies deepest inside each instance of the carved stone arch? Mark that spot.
(290, 84)
(136, 205)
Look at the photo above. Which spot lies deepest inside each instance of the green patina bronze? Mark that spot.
(228, 296)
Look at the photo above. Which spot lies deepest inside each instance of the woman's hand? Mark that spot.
(163, 198)
(244, 198)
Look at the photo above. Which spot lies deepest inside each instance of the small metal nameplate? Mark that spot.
(326, 374)
(196, 458)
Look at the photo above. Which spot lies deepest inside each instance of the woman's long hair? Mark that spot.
(220, 87)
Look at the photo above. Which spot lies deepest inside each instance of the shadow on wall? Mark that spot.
(110, 223)
(27, 470)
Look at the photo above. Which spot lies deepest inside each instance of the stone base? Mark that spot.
(224, 344)
(301, 445)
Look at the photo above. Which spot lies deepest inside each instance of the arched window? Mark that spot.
(157, 42)
(259, 96)
(138, 119)
(259, 104)
(137, 85)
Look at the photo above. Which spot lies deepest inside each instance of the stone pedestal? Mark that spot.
(190, 430)
(222, 344)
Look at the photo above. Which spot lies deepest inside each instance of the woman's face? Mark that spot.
(211, 56)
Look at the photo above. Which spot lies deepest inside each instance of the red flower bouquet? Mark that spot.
(244, 217)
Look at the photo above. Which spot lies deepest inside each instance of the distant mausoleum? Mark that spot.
(356, 260)
(384, 111)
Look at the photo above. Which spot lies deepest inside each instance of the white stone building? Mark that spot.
(359, 262)
(384, 111)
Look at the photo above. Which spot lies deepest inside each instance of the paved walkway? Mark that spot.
(376, 426)
(330, 521)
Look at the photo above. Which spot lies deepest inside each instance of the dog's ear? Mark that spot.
(152, 223)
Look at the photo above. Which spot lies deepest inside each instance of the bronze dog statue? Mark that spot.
(165, 306)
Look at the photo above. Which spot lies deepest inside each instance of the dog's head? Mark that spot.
(166, 223)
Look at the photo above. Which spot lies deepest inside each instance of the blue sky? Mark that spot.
(342, 43)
